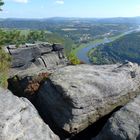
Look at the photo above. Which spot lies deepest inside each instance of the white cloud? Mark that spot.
(21, 1)
(60, 1)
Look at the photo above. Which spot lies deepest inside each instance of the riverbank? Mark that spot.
(126, 48)
(82, 52)
(78, 48)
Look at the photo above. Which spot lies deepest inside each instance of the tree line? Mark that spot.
(18, 37)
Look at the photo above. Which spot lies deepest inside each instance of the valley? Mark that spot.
(85, 53)
(125, 48)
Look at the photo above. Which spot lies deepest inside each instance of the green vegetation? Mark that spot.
(4, 62)
(74, 34)
(73, 54)
(11, 37)
(73, 59)
(21, 37)
(94, 59)
(124, 48)
(4, 67)
(78, 30)
(17, 37)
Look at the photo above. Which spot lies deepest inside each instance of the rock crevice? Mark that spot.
(124, 124)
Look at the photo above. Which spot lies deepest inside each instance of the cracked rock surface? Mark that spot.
(78, 96)
(19, 120)
(124, 124)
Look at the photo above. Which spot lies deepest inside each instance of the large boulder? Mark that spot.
(77, 96)
(24, 56)
(124, 124)
(34, 56)
(20, 121)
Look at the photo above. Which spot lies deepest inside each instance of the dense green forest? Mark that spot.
(124, 48)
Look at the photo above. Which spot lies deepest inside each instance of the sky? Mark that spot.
(70, 8)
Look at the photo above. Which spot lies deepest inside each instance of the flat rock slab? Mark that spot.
(36, 56)
(22, 56)
(124, 124)
(77, 96)
(20, 121)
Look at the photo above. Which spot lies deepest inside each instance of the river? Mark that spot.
(82, 54)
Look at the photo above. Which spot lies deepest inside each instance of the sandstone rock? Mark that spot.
(22, 56)
(77, 96)
(39, 55)
(20, 121)
(32, 70)
(27, 84)
(124, 124)
(45, 47)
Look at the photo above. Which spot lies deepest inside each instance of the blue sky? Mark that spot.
(70, 8)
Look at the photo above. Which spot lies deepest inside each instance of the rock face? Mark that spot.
(77, 96)
(20, 121)
(124, 124)
(22, 56)
(34, 56)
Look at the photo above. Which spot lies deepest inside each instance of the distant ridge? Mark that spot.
(45, 23)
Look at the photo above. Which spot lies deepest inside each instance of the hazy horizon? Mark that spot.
(35, 9)
(67, 17)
